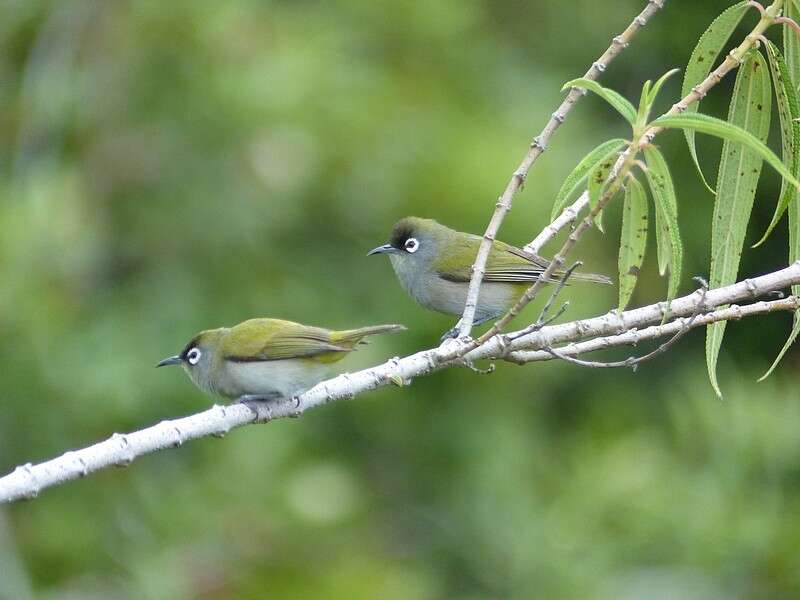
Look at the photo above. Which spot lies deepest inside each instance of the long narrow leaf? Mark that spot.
(620, 104)
(727, 131)
(791, 43)
(791, 339)
(794, 254)
(633, 239)
(644, 103)
(597, 182)
(652, 94)
(575, 179)
(791, 48)
(663, 243)
(739, 170)
(790, 129)
(702, 60)
(663, 191)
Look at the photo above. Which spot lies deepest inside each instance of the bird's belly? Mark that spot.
(450, 296)
(285, 377)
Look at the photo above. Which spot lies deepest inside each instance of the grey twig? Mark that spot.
(632, 361)
(633, 337)
(543, 319)
(537, 147)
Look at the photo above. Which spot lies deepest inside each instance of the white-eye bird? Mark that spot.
(434, 265)
(266, 359)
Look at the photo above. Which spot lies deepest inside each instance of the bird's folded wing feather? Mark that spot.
(505, 263)
(270, 339)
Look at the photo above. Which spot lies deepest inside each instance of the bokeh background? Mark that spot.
(167, 167)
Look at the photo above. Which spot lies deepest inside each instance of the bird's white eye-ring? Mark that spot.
(411, 245)
(193, 356)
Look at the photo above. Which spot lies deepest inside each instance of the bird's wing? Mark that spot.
(506, 263)
(273, 339)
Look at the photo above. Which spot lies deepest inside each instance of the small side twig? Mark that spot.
(633, 362)
(791, 23)
(634, 336)
(758, 6)
(543, 320)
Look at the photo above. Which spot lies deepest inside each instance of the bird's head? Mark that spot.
(414, 243)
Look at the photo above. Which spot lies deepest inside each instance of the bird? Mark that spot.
(266, 359)
(434, 265)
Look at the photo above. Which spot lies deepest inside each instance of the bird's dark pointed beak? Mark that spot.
(385, 249)
(172, 360)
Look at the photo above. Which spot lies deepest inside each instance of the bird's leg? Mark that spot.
(257, 401)
(452, 333)
(268, 397)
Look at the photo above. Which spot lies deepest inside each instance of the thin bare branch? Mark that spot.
(633, 362)
(537, 147)
(633, 337)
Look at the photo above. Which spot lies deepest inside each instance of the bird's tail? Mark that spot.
(590, 277)
(351, 337)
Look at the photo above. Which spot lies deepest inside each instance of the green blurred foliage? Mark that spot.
(171, 166)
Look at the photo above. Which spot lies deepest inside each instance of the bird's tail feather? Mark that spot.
(590, 277)
(353, 336)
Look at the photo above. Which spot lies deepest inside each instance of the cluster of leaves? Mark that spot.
(744, 150)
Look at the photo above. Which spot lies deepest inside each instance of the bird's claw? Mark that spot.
(450, 334)
(258, 403)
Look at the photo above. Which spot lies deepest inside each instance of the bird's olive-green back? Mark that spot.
(276, 339)
(506, 263)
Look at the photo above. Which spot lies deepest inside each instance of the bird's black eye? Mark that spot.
(411, 245)
(193, 356)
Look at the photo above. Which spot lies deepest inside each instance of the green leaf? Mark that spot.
(728, 131)
(645, 103)
(790, 129)
(667, 233)
(739, 170)
(633, 239)
(791, 43)
(653, 93)
(702, 60)
(597, 182)
(786, 346)
(575, 179)
(648, 98)
(620, 104)
(791, 48)
(663, 244)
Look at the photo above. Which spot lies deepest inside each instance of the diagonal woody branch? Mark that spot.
(732, 61)
(537, 148)
(28, 480)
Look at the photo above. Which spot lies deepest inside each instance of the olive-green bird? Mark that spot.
(434, 265)
(266, 359)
